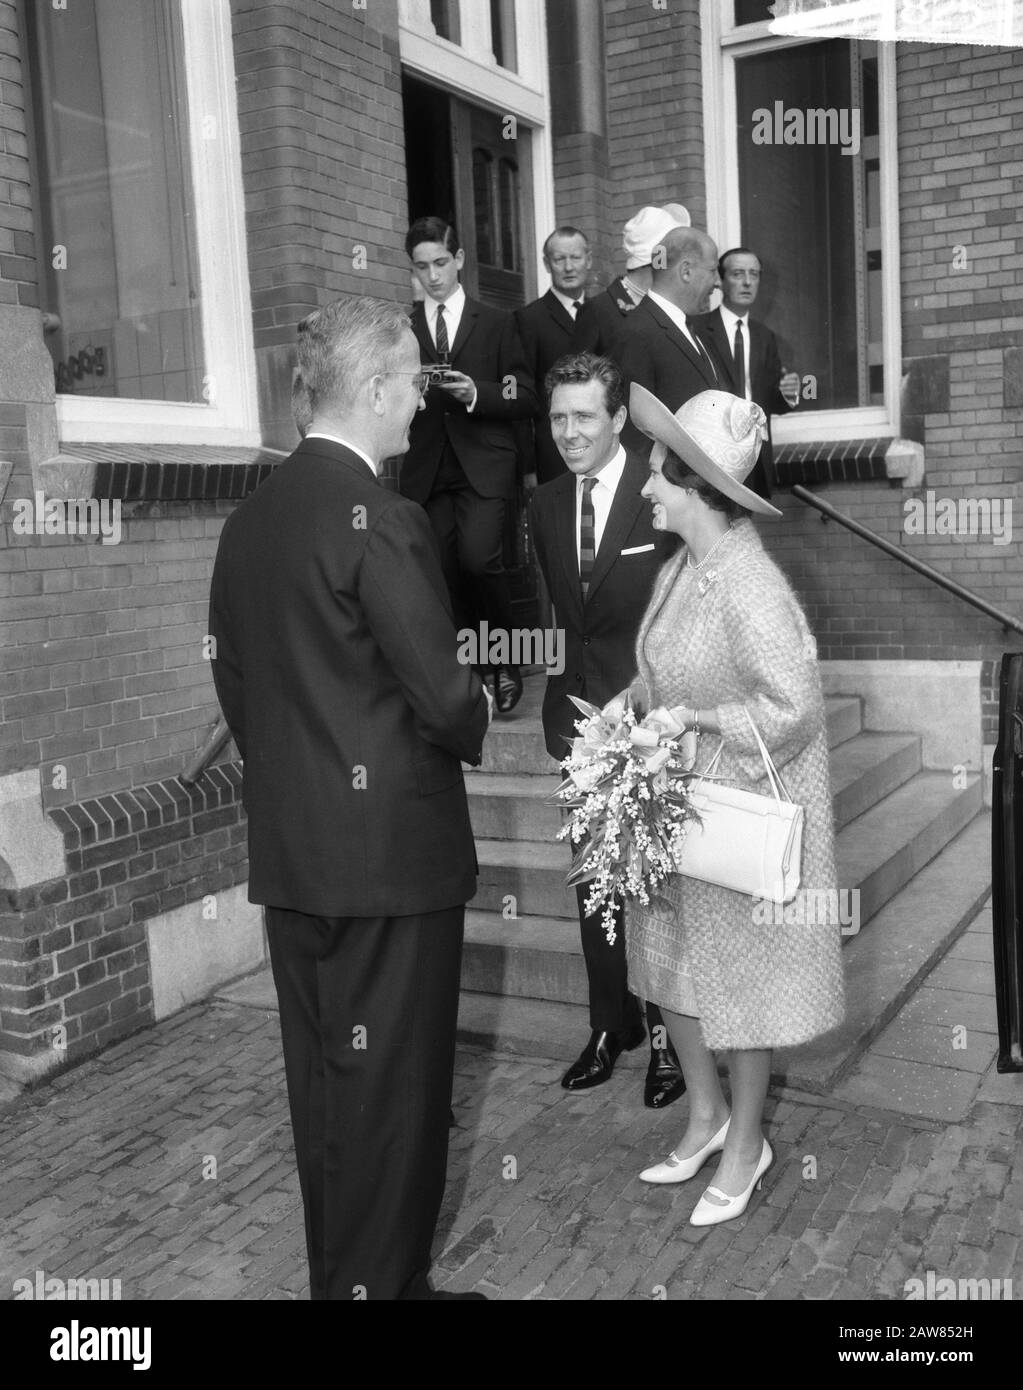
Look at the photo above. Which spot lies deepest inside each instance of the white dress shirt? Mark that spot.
(730, 320)
(678, 318)
(602, 496)
(347, 444)
(567, 302)
(453, 306)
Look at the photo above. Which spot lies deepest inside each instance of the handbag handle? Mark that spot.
(774, 777)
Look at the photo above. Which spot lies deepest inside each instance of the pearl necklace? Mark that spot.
(710, 576)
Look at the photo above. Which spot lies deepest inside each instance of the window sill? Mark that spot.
(157, 472)
(899, 462)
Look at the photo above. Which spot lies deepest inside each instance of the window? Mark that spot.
(801, 162)
(144, 280)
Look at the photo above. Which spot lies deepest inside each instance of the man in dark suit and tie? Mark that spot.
(602, 315)
(462, 458)
(745, 353)
(548, 328)
(335, 664)
(659, 346)
(599, 555)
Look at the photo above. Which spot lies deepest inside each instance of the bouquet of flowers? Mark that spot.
(629, 808)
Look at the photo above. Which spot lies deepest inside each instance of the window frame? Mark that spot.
(468, 70)
(231, 414)
(720, 48)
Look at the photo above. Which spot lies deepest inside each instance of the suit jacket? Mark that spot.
(337, 672)
(660, 357)
(487, 348)
(548, 332)
(601, 319)
(600, 634)
(765, 374)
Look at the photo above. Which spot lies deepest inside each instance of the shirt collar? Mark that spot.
(452, 305)
(676, 314)
(345, 444)
(567, 301)
(729, 318)
(610, 475)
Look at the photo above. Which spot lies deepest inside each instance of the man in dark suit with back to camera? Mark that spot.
(548, 328)
(599, 555)
(336, 668)
(659, 347)
(462, 459)
(745, 352)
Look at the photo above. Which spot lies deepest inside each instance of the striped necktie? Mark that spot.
(443, 347)
(587, 535)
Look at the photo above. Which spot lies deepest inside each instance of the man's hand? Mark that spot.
(789, 387)
(462, 387)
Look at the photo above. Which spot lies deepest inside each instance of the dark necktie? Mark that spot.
(587, 535)
(694, 338)
(443, 347)
(577, 304)
(740, 360)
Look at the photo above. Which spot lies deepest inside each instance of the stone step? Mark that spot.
(877, 853)
(515, 743)
(907, 936)
(504, 806)
(881, 850)
(864, 769)
(868, 767)
(883, 966)
(529, 957)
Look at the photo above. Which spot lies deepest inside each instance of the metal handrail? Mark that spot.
(215, 740)
(1009, 623)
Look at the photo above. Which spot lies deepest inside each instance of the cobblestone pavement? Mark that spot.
(166, 1163)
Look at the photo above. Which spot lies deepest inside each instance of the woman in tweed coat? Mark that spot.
(724, 634)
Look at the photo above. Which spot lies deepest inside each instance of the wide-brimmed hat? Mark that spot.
(646, 230)
(680, 214)
(715, 434)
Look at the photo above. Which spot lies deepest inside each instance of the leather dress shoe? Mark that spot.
(664, 1079)
(507, 688)
(597, 1060)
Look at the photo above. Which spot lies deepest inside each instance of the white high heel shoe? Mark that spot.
(682, 1169)
(710, 1214)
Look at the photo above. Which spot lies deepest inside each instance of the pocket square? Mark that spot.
(638, 549)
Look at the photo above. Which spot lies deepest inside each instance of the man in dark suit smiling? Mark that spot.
(599, 555)
(461, 460)
(336, 668)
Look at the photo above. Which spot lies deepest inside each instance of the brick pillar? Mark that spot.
(323, 166)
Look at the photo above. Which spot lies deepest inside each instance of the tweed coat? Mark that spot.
(745, 642)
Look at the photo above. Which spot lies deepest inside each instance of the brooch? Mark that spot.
(705, 581)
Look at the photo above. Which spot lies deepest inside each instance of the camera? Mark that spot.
(435, 372)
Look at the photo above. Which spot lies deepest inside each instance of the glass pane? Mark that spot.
(509, 176)
(753, 11)
(444, 14)
(502, 30)
(116, 201)
(810, 210)
(483, 201)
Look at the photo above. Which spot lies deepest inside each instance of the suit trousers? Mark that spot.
(470, 532)
(613, 1009)
(368, 1009)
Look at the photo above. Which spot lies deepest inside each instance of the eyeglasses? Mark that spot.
(419, 379)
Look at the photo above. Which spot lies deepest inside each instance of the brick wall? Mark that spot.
(101, 665)
(655, 118)
(18, 273)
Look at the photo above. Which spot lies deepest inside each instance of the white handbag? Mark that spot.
(744, 841)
